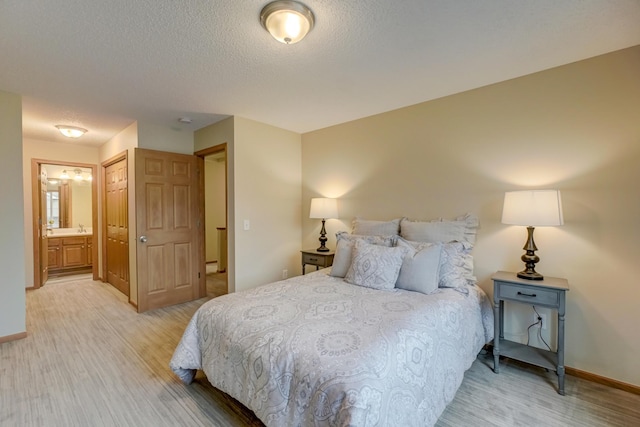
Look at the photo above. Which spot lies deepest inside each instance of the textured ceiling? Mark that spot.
(102, 65)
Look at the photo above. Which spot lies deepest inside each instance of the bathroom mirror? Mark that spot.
(68, 196)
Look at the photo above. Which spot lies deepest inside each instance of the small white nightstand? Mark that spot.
(319, 259)
(550, 292)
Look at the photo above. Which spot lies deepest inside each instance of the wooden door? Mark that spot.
(44, 244)
(117, 224)
(168, 224)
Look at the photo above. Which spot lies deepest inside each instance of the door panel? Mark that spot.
(168, 221)
(117, 219)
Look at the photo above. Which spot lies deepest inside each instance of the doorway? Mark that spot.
(64, 217)
(215, 213)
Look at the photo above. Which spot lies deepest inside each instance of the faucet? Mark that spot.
(81, 229)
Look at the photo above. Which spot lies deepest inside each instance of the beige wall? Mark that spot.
(12, 243)
(575, 128)
(267, 193)
(55, 152)
(162, 138)
(81, 212)
(263, 186)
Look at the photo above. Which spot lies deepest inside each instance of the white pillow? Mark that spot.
(344, 249)
(420, 270)
(376, 228)
(375, 266)
(456, 265)
(461, 229)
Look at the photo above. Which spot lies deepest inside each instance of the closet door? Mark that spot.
(116, 210)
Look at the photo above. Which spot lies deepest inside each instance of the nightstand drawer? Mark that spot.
(529, 295)
(322, 261)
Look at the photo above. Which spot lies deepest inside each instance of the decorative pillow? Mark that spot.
(344, 249)
(376, 228)
(420, 269)
(375, 266)
(461, 229)
(456, 265)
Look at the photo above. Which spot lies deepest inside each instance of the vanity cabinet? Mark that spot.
(54, 254)
(74, 251)
(70, 255)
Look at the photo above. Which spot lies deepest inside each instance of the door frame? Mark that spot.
(35, 212)
(220, 148)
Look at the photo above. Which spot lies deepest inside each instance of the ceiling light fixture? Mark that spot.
(287, 21)
(78, 174)
(64, 175)
(71, 131)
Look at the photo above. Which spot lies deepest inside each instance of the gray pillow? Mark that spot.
(375, 266)
(456, 265)
(420, 270)
(344, 250)
(461, 229)
(376, 228)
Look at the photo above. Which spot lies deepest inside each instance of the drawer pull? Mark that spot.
(526, 295)
(313, 259)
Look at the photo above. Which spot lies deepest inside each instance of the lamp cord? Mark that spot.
(538, 322)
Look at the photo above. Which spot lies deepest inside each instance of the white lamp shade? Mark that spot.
(535, 208)
(323, 208)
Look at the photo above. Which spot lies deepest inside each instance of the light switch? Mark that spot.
(247, 225)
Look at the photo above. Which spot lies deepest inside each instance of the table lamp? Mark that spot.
(325, 209)
(532, 208)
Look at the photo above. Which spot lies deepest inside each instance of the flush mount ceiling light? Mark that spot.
(71, 131)
(287, 21)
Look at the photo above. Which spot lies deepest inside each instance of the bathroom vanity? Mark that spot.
(69, 252)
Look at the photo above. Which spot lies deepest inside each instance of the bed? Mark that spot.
(319, 350)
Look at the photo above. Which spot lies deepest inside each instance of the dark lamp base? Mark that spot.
(530, 275)
(323, 239)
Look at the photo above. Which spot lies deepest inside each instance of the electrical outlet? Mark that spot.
(285, 274)
(545, 325)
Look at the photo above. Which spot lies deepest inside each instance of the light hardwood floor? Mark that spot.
(90, 360)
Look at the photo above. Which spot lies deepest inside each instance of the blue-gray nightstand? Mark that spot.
(550, 292)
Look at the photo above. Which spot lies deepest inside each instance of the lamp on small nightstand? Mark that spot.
(532, 208)
(325, 209)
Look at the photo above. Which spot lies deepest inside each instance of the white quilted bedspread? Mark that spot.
(316, 351)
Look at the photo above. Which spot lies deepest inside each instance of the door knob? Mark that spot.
(143, 239)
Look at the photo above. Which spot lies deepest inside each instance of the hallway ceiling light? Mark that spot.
(287, 21)
(64, 175)
(78, 174)
(71, 131)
